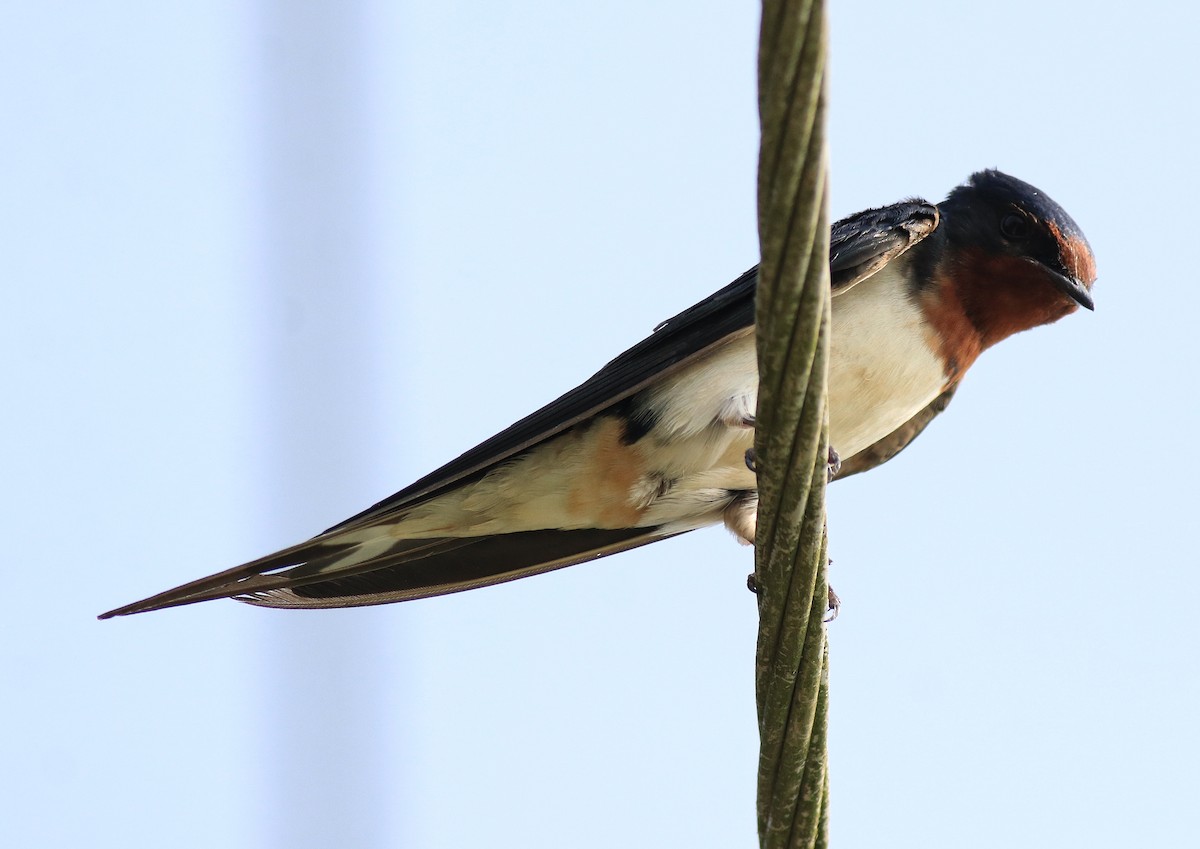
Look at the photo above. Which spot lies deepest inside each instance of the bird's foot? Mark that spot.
(835, 605)
(834, 463)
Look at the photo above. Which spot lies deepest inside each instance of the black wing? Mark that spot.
(419, 568)
(863, 243)
(673, 344)
(860, 245)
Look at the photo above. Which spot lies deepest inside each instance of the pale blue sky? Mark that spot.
(265, 263)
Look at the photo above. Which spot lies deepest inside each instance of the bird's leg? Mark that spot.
(835, 605)
(751, 457)
(752, 465)
(834, 463)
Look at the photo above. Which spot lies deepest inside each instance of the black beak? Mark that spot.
(1072, 287)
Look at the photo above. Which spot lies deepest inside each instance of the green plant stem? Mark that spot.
(791, 439)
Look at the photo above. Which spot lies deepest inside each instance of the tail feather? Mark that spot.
(331, 572)
(292, 556)
(474, 562)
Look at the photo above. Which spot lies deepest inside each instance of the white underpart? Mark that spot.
(697, 443)
(720, 386)
(882, 372)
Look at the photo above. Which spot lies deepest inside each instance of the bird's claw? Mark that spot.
(834, 463)
(831, 612)
(835, 605)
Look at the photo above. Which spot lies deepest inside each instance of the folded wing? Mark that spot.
(362, 561)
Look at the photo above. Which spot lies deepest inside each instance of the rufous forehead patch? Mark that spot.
(1077, 254)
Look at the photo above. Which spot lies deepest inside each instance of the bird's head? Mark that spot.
(1020, 260)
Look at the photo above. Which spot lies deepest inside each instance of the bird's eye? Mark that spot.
(1015, 227)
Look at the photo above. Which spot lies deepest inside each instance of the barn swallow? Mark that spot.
(656, 442)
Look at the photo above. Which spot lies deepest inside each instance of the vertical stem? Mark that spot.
(791, 441)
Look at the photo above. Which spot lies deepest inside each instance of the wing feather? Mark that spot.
(863, 243)
(673, 344)
(349, 566)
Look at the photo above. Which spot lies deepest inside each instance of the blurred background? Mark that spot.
(264, 263)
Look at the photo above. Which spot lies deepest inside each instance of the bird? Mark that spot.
(659, 441)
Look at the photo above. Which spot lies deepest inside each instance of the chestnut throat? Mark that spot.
(984, 300)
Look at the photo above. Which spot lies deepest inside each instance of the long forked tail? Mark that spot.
(359, 568)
